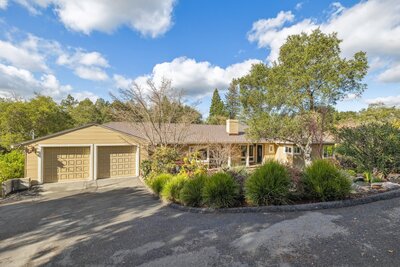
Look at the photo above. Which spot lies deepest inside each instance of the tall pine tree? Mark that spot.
(217, 109)
(233, 100)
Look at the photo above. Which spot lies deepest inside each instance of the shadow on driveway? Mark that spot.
(127, 226)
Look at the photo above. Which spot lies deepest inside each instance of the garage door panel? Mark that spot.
(116, 161)
(66, 163)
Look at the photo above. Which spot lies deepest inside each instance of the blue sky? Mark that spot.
(89, 48)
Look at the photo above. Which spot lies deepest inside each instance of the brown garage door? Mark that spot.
(116, 161)
(66, 163)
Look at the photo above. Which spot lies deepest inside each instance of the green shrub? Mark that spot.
(191, 193)
(172, 188)
(164, 159)
(12, 165)
(323, 181)
(351, 172)
(158, 182)
(269, 184)
(373, 146)
(145, 167)
(220, 191)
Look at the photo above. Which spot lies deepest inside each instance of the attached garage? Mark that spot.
(66, 164)
(116, 161)
(87, 153)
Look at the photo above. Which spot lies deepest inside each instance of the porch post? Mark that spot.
(229, 157)
(247, 156)
(208, 156)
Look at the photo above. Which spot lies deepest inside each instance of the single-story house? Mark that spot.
(117, 149)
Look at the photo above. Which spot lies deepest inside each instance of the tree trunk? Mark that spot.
(307, 152)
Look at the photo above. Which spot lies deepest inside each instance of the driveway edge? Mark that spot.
(293, 208)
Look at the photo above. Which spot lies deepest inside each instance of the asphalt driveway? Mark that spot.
(125, 225)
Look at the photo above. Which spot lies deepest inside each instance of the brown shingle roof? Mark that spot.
(195, 134)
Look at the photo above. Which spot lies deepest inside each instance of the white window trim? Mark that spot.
(207, 160)
(291, 150)
(271, 149)
(296, 153)
(323, 153)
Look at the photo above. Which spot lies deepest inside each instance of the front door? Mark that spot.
(259, 153)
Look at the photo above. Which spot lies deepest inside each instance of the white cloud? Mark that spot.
(83, 58)
(21, 82)
(3, 4)
(391, 74)
(350, 97)
(387, 101)
(85, 94)
(121, 81)
(299, 6)
(271, 33)
(149, 17)
(21, 57)
(91, 73)
(52, 87)
(372, 26)
(86, 65)
(195, 78)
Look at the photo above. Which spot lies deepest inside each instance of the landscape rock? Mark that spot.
(376, 185)
(394, 178)
(390, 185)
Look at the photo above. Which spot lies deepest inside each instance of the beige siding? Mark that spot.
(268, 155)
(90, 135)
(31, 163)
(281, 156)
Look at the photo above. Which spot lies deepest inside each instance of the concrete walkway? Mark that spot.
(122, 224)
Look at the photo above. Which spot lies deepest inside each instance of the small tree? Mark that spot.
(371, 147)
(232, 99)
(220, 153)
(156, 111)
(290, 99)
(217, 108)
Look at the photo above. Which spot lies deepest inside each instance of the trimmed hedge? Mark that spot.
(269, 184)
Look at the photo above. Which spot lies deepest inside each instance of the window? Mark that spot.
(271, 148)
(288, 149)
(328, 151)
(251, 153)
(296, 150)
(243, 153)
(202, 153)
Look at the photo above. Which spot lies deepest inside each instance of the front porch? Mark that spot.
(233, 155)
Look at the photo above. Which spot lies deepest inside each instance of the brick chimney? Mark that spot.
(232, 127)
